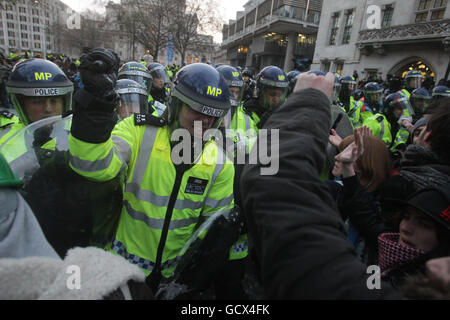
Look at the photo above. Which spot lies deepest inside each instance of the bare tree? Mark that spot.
(92, 33)
(199, 16)
(149, 22)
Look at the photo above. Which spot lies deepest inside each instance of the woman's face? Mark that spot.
(418, 231)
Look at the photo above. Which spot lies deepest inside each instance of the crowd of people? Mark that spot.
(119, 168)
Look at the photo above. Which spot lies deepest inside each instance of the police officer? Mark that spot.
(249, 83)
(386, 126)
(420, 100)
(133, 98)
(413, 80)
(270, 92)
(164, 198)
(369, 105)
(38, 89)
(236, 121)
(292, 78)
(137, 72)
(159, 90)
(348, 86)
(440, 92)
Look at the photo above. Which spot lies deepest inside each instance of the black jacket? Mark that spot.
(298, 235)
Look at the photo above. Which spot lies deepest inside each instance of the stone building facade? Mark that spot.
(272, 32)
(381, 37)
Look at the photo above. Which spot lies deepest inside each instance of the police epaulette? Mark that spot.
(380, 118)
(7, 114)
(141, 119)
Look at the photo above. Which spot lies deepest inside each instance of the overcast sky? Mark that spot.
(229, 9)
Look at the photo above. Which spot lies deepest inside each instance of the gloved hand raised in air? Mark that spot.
(98, 71)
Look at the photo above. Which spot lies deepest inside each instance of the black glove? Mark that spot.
(98, 71)
(94, 105)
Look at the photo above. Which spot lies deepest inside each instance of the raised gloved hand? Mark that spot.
(98, 71)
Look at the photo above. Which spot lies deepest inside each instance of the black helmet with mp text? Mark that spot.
(39, 89)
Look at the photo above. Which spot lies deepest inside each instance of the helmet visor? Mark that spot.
(160, 77)
(131, 103)
(336, 91)
(274, 97)
(420, 103)
(146, 82)
(236, 94)
(374, 97)
(183, 116)
(414, 83)
(35, 108)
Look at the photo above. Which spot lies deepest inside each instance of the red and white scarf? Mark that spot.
(392, 254)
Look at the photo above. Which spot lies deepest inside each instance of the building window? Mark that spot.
(11, 34)
(2, 41)
(325, 66)
(387, 16)
(35, 12)
(349, 17)
(24, 35)
(334, 28)
(440, 3)
(10, 25)
(37, 37)
(36, 29)
(339, 67)
(24, 43)
(12, 43)
(9, 16)
(23, 18)
(37, 45)
(35, 20)
(421, 17)
(437, 14)
(22, 10)
(424, 4)
(23, 27)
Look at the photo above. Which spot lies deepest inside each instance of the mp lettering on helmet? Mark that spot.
(213, 91)
(235, 74)
(42, 75)
(281, 77)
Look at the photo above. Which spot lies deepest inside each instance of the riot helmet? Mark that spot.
(133, 98)
(247, 72)
(302, 64)
(420, 100)
(358, 94)
(137, 72)
(336, 89)
(373, 94)
(348, 86)
(159, 75)
(440, 92)
(292, 78)
(235, 83)
(271, 87)
(413, 80)
(394, 105)
(200, 94)
(39, 89)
